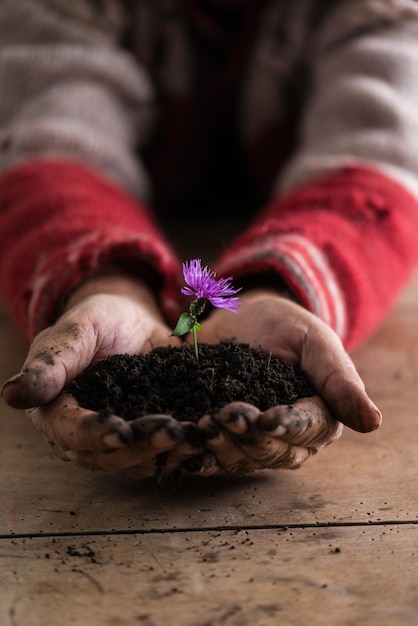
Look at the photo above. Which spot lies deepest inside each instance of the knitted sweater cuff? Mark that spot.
(59, 223)
(344, 246)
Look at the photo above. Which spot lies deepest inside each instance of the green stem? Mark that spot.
(196, 350)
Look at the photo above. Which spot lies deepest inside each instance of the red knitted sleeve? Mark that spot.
(344, 245)
(59, 221)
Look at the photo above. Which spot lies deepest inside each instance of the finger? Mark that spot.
(187, 450)
(229, 456)
(238, 417)
(226, 448)
(190, 447)
(306, 423)
(334, 376)
(241, 458)
(250, 450)
(56, 356)
(154, 435)
(71, 427)
(292, 457)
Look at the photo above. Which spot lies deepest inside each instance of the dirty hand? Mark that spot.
(108, 315)
(241, 438)
(148, 446)
(284, 437)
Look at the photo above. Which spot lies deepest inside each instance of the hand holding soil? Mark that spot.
(108, 443)
(289, 332)
(240, 437)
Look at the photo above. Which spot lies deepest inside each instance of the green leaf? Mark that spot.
(184, 325)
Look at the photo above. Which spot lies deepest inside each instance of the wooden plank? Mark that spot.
(349, 576)
(361, 478)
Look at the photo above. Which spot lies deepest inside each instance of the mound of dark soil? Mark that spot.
(171, 381)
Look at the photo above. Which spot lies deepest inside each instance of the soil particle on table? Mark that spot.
(84, 550)
(171, 381)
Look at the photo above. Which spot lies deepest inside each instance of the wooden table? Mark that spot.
(333, 543)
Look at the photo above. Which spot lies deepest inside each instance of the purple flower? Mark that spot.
(202, 283)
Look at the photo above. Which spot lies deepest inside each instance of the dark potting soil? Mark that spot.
(171, 381)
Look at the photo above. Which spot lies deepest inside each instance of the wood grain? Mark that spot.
(333, 543)
(355, 576)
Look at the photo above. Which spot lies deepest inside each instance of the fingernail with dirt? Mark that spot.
(11, 382)
(15, 392)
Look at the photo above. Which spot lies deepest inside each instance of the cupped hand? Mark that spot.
(288, 331)
(148, 446)
(242, 442)
(111, 315)
(241, 439)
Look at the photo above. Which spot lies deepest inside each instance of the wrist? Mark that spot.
(112, 280)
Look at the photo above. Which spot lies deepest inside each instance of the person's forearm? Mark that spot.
(59, 224)
(361, 95)
(341, 228)
(344, 246)
(72, 189)
(112, 280)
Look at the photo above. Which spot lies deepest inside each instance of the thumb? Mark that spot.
(55, 358)
(334, 376)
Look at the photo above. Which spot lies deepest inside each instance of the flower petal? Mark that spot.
(202, 283)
